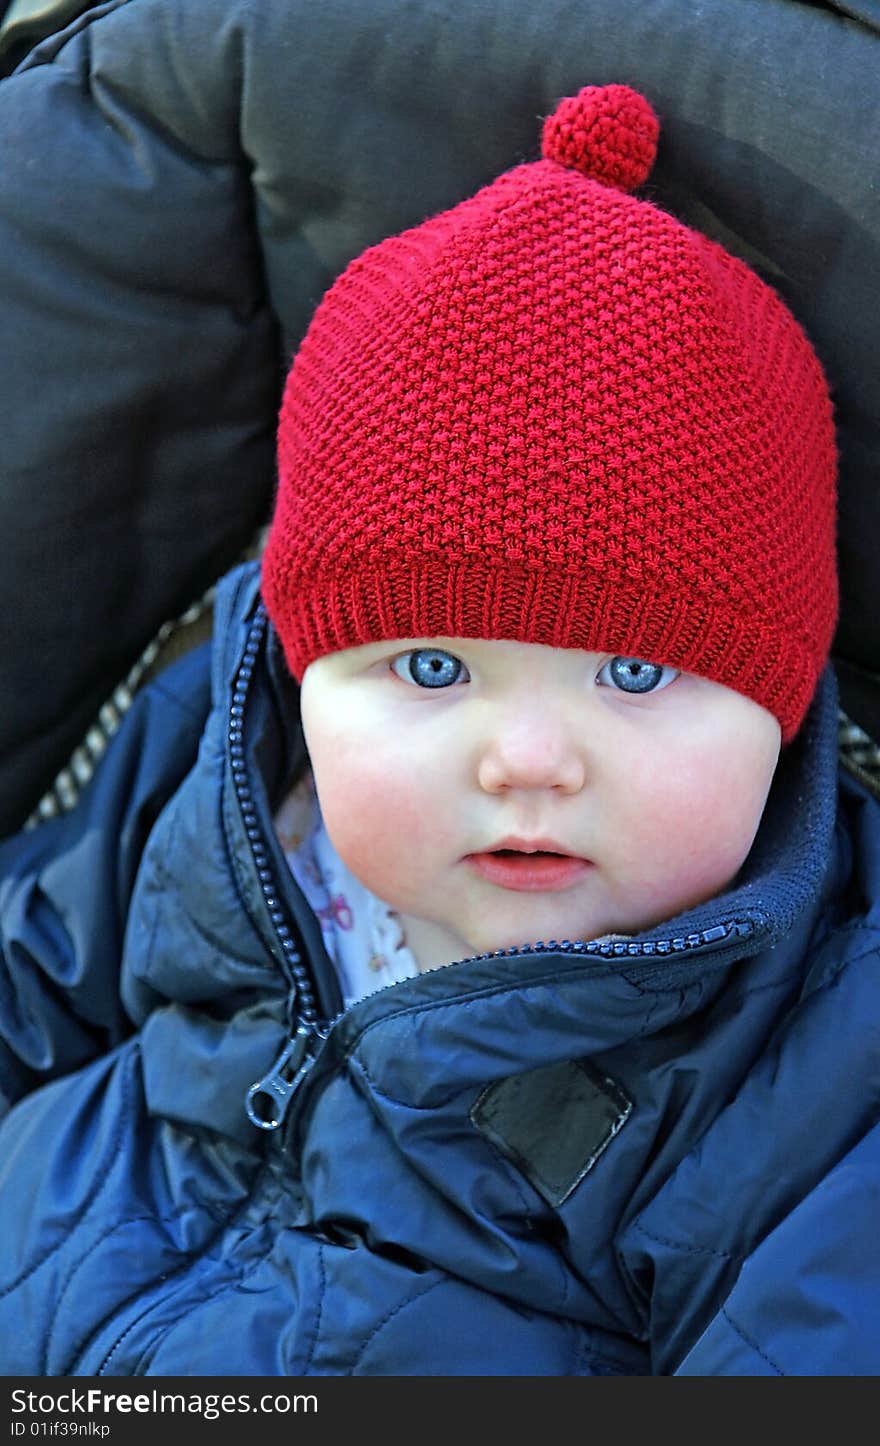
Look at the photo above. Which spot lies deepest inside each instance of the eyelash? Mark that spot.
(404, 660)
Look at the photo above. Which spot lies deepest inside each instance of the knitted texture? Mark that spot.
(608, 132)
(555, 414)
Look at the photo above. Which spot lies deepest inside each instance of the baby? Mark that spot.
(515, 837)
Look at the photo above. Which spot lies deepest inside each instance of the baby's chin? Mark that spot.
(433, 945)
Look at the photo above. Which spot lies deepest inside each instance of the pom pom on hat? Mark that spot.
(608, 132)
(555, 414)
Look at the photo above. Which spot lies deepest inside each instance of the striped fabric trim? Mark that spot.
(65, 790)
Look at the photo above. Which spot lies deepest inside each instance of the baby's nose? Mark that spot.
(537, 751)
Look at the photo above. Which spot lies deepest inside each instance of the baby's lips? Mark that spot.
(529, 872)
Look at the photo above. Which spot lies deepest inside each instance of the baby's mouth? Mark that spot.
(529, 869)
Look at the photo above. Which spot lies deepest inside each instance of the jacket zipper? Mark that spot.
(269, 1098)
(266, 1101)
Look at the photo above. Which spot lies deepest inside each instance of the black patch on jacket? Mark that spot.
(553, 1123)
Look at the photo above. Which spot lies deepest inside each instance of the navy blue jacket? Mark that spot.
(654, 1156)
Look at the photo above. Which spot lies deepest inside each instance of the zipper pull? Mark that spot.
(266, 1101)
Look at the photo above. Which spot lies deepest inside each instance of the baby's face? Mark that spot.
(498, 794)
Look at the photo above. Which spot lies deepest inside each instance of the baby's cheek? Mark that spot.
(380, 827)
(696, 834)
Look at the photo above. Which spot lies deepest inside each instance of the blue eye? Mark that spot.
(430, 668)
(634, 675)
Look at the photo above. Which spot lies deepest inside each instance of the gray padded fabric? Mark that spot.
(183, 178)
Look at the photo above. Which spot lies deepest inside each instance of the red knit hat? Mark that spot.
(554, 414)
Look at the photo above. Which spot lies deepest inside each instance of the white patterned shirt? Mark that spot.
(362, 935)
